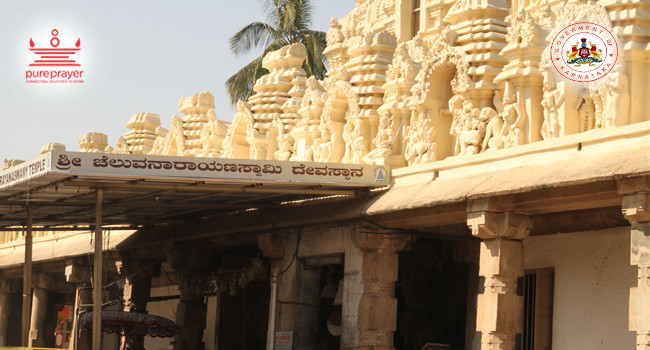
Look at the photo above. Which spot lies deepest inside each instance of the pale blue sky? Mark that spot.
(137, 56)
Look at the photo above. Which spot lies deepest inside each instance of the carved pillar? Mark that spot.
(377, 313)
(298, 289)
(193, 269)
(499, 306)
(137, 289)
(352, 292)
(39, 311)
(636, 209)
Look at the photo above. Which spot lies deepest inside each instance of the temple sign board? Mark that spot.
(204, 169)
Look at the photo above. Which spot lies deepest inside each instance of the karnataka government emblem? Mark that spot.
(584, 51)
(587, 54)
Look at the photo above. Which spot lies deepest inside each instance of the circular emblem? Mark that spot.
(381, 175)
(584, 52)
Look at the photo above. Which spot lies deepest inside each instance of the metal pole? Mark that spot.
(27, 279)
(97, 275)
(270, 334)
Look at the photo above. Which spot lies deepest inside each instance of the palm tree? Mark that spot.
(289, 24)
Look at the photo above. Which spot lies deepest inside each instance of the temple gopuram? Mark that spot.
(445, 187)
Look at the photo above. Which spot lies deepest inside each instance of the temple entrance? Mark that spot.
(436, 293)
(330, 307)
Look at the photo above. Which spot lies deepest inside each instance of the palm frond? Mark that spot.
(315, 43)
(256, 34)
(240, 85)
(303, 16)
(289, 23)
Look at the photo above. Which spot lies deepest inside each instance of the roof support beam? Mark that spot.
(27, 279)
(207, 188)
(97, 275)
(38, 188)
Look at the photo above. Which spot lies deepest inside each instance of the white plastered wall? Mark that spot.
(593, 276)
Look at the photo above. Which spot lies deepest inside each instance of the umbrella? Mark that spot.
(132, 324)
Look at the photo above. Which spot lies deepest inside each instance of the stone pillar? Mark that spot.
(7, 287)
(298, 289)
(5, 308)
(193, 274)
(377, 312)
(636, 209)
(352, 292)
(137, 289)
(80, 274)
(499, 306)
(39, 310)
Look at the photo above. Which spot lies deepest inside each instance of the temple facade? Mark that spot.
(517, 215)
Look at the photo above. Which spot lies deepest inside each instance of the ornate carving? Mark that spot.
(495, 131)
(159, 144)
(52, 146)
(235, 145)
(174, 144)
(323, 150)
(8, 163)
(586, 111)
(522, 29)
(514, 118)
(467, 125)
(285, 146)
(142, 134)
(551, 103)
(420, 147)
(334, 34)
(441, 52)
(383, 140)
(618, 97)
(402, 66)
(121, 146)
(356, 143)
(574, 12)
(543, 15)
(212, 135)
(195, 108)
(93, 142)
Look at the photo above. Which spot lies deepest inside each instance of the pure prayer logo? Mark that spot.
(58, 62)
(584, 52)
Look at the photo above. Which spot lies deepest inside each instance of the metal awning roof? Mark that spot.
(140, 190)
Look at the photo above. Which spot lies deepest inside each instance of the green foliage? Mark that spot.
(288, 23)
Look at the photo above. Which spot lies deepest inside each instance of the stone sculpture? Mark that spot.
(514, 118)
(586, 111)
(383, 140)
(467, 126)
(93, 142)
(618, 97)
(551, 103)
